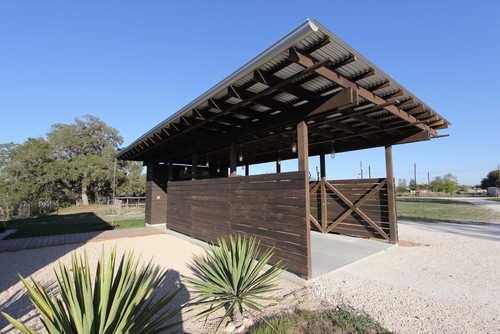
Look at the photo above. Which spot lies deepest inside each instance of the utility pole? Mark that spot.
(428, 180)
(369, 172)
(361, 167)
(415, 176)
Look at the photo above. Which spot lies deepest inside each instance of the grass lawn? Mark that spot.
(74, 220)
(438, 210)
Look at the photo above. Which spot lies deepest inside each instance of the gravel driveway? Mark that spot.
(448, 283)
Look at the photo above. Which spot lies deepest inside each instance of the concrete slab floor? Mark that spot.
(332, 251)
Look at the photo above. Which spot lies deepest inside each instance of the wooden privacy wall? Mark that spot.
(156, 194)
(352, 207)
(271, 207)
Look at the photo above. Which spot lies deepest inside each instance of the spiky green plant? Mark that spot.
(120, 300)
(231, 277)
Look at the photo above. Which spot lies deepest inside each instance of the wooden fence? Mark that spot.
(271, 207)
(352, 207)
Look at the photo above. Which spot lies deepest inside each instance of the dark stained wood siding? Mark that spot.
(376, 207)
(156, 194)
(271, 207)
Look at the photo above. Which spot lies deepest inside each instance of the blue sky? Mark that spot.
(134, 63)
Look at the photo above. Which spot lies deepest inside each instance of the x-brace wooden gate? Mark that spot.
(352, 207)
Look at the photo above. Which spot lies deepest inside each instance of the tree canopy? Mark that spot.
(491, 180)
(74, 163)
(447, 183)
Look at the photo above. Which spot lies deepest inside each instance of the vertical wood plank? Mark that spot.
(232, 160)
(247, 170)
(303, 156)
(391, 195)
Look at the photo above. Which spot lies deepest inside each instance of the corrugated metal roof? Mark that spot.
(307, 35)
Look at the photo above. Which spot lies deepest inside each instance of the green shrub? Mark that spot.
(120, 300)
(230, 277)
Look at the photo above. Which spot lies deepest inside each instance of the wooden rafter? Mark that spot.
(307, 61)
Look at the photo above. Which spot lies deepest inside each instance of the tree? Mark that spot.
(447, 183)
(25, 176)
(402, 187)
(130, 179)
(84, 154)
(491, 180)
(413, 185)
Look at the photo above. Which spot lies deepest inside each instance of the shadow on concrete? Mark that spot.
(333, 251)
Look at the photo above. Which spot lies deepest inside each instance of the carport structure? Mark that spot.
(308, 94)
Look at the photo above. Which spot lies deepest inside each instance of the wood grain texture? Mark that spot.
(271, 207)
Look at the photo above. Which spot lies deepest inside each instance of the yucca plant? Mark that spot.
(231, 277)
(120, 300)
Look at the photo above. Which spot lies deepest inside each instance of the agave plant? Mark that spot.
(120, 300)
(232, 277)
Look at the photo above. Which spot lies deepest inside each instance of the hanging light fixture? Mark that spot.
(207, 163)
(240, 157)
(279, 157)
(294, 144)
(218, 167)
(333, 149)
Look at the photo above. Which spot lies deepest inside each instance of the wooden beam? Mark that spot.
(391, 194)
(392, 95)
(420, 136)
(346, 97)
(379, 86)
(407, 102)
(363, 75)
(306, 61)
(343, 62)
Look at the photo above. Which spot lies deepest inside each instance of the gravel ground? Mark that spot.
(447, 282)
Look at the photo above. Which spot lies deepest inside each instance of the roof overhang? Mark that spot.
(309, 75)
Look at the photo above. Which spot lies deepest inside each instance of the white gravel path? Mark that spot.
(449, 283)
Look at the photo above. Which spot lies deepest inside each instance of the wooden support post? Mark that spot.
(303, 147)
(194, 169)
(232, 160)
(278, 166)
(391, 194)
(303, 157)
(322, 168)
(247, 170)
(324, 211)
